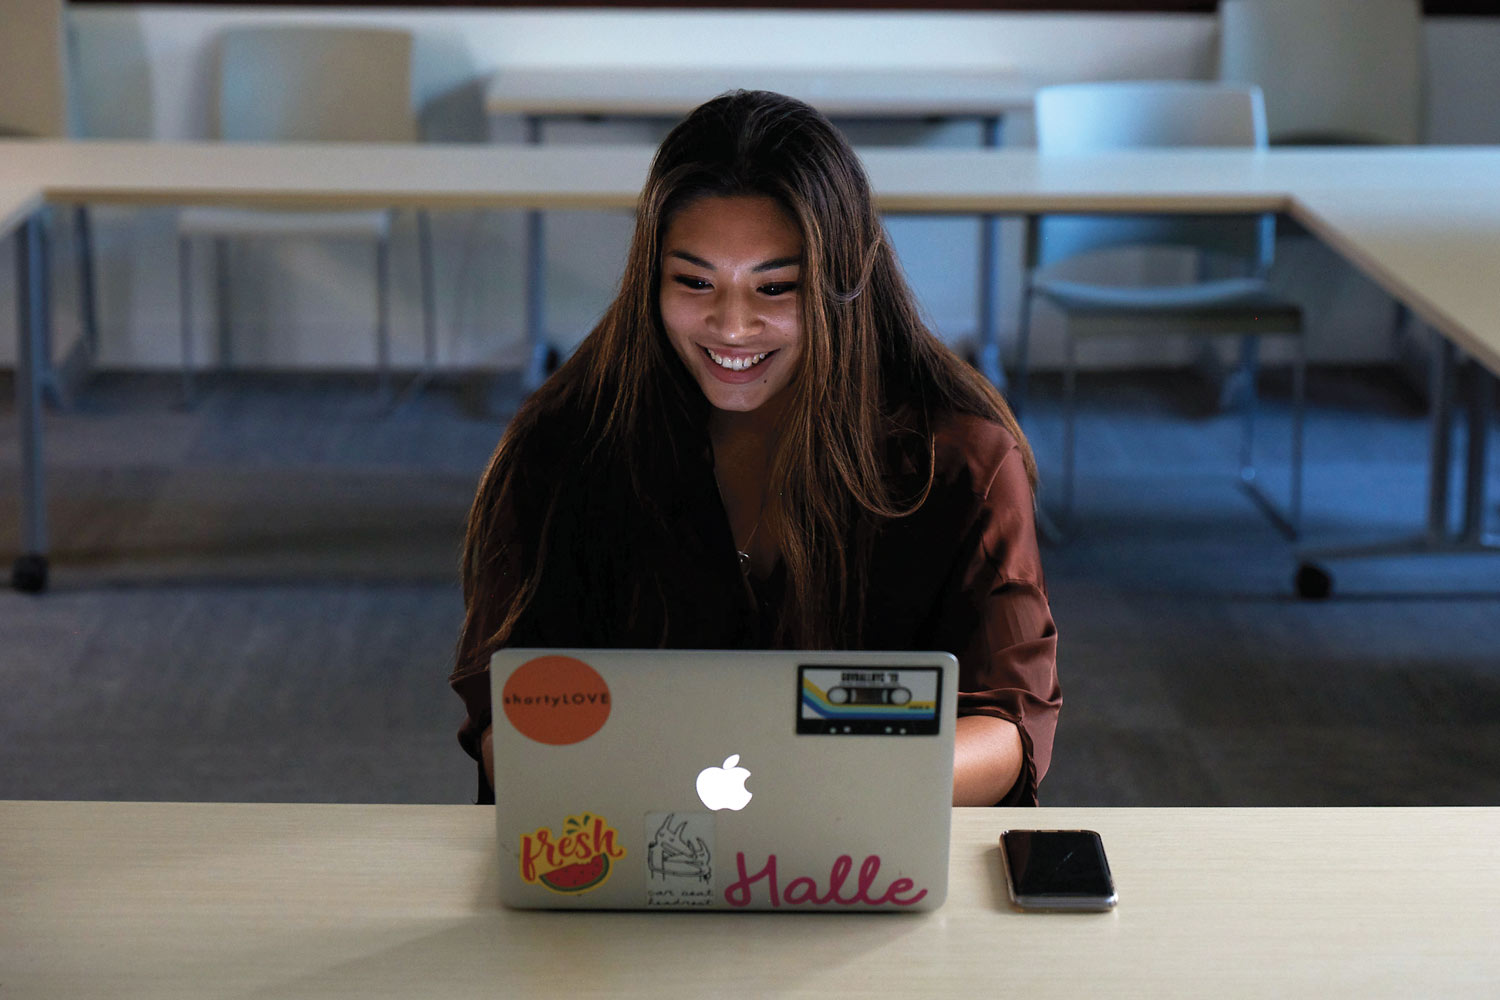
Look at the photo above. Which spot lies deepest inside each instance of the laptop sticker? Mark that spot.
(870, 887)
(680, 859)
(579, 859)
(556, 700)
(859, 701)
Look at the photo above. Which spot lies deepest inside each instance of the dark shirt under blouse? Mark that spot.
(961, 574)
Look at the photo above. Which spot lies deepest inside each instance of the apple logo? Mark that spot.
(724, 787)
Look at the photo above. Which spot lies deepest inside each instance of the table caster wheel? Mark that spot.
(28, 574)
(1314, 583)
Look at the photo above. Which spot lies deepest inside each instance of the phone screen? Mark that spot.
(1057, 869)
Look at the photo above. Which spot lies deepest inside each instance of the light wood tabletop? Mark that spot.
(1422, 222)
(653, 91)
(211, 900)
(1438, 252)
(17, 201)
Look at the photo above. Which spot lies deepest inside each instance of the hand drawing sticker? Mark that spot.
(679, 859)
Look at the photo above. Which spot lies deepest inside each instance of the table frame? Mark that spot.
(1306, 185)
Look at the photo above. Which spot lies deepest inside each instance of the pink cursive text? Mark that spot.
(804, 890)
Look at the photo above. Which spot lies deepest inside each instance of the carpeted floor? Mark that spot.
(257, 600)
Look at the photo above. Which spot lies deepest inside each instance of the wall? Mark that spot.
(145, 73)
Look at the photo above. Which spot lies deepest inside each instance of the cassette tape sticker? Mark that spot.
(860, 701)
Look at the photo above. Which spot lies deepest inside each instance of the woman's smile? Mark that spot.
(737, 362)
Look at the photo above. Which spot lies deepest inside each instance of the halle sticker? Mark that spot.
(556, 700)
(578, 860)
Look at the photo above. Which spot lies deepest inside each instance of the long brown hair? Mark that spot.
(871, 374)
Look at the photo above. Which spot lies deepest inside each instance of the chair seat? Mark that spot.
(258, 222)
(1228, 306)
(1224, 292)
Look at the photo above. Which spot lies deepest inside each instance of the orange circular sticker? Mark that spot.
(556, 700)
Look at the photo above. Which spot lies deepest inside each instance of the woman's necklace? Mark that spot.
(743, 551)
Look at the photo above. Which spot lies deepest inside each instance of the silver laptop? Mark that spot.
(722, 780)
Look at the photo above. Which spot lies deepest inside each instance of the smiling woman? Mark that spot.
(762, 446)
(729, 300)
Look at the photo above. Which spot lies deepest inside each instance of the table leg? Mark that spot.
(1313, 580)
(29, 572)
(1440, 436)
(536, 292)
(1481, 404)
(988, 348)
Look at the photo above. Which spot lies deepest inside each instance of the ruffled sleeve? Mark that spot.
(994, 615)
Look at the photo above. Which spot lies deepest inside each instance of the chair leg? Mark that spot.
(1020, 384)
(382, 315)
(223, 301)
(1070, 417)
(185, 314)
(1250, 367)
(429, 292)
(1299, 425)
(1289, 521)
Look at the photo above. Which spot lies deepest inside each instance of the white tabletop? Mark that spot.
(1423, 222)
(1438, 253)
(17, 201)
(651, 91)
(172, 900)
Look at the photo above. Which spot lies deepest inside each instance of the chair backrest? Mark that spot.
(33, 94)
(1105, 117)
(316, 83)
(1333, 71)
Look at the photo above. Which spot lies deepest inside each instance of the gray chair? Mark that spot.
(1331, 71)
(321, 84)
(1100, 117)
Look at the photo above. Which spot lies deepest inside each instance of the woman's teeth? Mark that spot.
(737, 364)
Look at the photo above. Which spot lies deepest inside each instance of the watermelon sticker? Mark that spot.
(575, 861)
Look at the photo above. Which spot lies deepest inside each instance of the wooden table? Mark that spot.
(636, 91)
(1424, 223)
(157, 901)
(17, 202)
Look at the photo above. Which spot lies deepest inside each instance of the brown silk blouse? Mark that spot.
(961, 574)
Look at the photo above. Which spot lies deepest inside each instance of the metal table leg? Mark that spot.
(1481, 404)
(1313, 580)
(989, 278)
(29, 573)
(536, 292)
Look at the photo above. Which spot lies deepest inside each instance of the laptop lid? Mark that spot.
(725, 780)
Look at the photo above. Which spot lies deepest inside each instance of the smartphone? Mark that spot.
(1057, 870)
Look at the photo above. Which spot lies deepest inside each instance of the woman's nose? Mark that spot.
(735, 316)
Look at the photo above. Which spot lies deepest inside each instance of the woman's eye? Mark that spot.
(688, 281)
(779, 288)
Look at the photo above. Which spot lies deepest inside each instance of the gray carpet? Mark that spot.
(257, 600)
